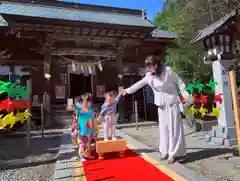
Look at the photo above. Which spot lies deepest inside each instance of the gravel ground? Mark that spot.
(215, 162)
(19, 164)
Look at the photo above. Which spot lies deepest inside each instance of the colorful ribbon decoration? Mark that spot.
(199, 100)
(14, 90)
(11, 119)
(11, 106)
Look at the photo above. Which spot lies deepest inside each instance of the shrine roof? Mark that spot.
(212, 28)
(158, 33)
(75, 12)
(3, 23)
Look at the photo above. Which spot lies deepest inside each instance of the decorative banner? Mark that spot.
(73, 66)
(11, 119)
(211, 84)
(10, 105)
(195, 105)
(100, 66)
(60, 92)
(85, 67)
(198, 86)
(100, 91)
(215, 112)
(14, 90)
(202, 111)
(218, 98)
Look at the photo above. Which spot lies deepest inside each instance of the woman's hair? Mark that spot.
(155, 61)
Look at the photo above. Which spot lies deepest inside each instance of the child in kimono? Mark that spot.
(108, 114)
(85, 117)
(75, 129)
(74, 133)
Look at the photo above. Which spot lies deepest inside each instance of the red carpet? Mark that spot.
(130, 168)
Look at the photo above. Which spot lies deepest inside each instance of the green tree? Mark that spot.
(186, 17)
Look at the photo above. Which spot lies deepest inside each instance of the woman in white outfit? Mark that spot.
(165, 85)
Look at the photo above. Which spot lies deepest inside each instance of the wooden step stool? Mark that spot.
(103, 147)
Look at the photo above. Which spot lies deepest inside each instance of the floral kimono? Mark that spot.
(86, 128)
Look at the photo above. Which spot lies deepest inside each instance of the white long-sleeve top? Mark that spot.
(165, 87)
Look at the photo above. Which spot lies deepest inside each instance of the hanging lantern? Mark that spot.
(73, 66)
(100, 66)
(90, 69)
(47, 76)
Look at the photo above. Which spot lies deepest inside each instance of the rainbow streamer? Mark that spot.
(12, 106)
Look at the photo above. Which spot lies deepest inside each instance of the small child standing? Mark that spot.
(85, 117)
(108, 113)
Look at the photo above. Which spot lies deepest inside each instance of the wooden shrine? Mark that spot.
(83, 48)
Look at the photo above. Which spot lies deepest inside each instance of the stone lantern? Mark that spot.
(217, 40)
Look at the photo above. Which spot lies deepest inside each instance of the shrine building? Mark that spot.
(80, 47)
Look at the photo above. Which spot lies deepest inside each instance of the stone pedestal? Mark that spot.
(225, 132)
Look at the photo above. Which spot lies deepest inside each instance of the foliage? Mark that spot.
(186, 17)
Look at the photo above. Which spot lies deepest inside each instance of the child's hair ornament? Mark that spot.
(86, 97)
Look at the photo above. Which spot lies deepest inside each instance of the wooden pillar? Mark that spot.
(120, 68)
(29, 121)
(11, 66)
(47, 89)
(232, 76)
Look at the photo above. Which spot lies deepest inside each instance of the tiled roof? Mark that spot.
(213, 27)
(158, 33)
(3, 23)
(72, 14)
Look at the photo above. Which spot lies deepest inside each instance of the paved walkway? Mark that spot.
(215, 162)
(68, 168)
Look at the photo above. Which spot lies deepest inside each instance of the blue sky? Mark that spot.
(152, 6)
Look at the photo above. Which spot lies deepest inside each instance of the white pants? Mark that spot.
(172, 138)
(110, 125)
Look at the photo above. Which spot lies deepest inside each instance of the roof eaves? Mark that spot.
(209, 30)
(40, 11)
(158, 33)
(3, 22)
(79, 6)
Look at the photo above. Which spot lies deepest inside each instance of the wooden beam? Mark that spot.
(232, 77)
(83, 51)
(158, 40)
(103, 32)
(94, 32)
(76, 31)
(93, 37)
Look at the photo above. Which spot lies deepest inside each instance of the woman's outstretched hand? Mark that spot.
(124, 93)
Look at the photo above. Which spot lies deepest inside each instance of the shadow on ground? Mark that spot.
(14, 152)
(205, 153)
